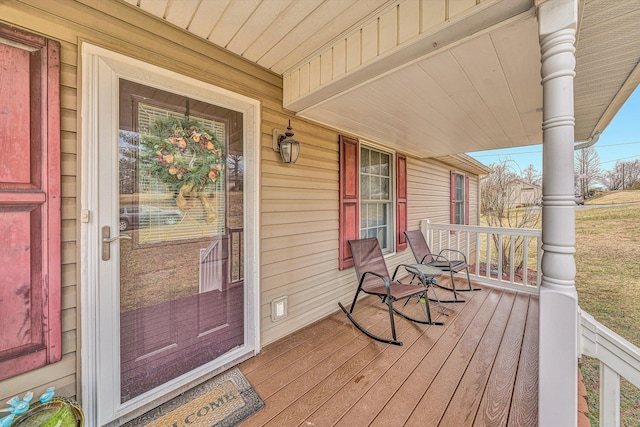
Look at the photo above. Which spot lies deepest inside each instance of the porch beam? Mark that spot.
(558, 353)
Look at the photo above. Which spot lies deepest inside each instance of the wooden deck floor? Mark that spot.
(479, 369)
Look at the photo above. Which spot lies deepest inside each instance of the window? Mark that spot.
(376, 196)
(367, 197)
(459, 199)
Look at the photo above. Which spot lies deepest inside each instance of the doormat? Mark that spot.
(223, 401)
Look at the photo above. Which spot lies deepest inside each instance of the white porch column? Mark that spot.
(557, 394)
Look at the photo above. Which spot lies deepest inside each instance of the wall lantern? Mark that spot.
(288, 147)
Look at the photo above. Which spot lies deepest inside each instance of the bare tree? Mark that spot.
(531, 175)
(587, 169)
(128, 157)
(236, 172)
(498, 199)
(612, 179)
(623, 176)
(631, 174)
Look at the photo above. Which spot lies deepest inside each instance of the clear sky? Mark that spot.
(619, 141)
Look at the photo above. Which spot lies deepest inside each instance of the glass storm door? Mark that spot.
(180, 228)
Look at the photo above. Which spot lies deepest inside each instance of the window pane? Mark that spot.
(375, 188)
(384, 189)
(375, 162)
(459, 187)
(460, 212)
(382, 237)
(363, 216)
(365, 187)
(384, 213)
(370, 211)
(384, 164)
(365, 160)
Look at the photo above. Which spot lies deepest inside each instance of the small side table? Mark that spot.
(424, 270)
(426, 274)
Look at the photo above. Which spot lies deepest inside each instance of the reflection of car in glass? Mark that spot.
(143, 216)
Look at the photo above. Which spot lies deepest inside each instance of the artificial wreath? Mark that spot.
(184, 157)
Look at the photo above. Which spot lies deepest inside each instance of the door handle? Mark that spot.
(107, 240)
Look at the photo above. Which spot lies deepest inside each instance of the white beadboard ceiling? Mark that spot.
(481, 93)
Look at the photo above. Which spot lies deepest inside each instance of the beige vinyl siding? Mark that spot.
(299, 203)
(428, 198)
(299, 241)
(428, 193)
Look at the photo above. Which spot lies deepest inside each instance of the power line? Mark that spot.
(615, 145)
(623, 158)
(506, 154)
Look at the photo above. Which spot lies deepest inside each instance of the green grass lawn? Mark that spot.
(608, 284)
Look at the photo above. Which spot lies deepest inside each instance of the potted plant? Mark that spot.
(49, 411)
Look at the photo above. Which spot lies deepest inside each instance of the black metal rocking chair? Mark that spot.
(373, 278)
(423, 255)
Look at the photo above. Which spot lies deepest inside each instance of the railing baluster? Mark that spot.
(448, 240)
(467, 246)
(525, 260)
(512, 257)
(609, 396)
(478, 254)
(488, 262)
(500, 252)
(235, 256)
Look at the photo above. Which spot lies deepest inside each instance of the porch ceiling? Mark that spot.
(480, 92)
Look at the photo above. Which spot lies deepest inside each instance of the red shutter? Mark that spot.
(452, 197)
(349, 198)
(29, 202)
(466, 200)
(401, 202)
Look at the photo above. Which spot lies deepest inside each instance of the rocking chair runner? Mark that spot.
(423, 255)
(373, 278)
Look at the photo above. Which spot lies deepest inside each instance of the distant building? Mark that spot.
(525, 194)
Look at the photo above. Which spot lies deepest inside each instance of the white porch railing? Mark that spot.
(618, 358)
(504, 257)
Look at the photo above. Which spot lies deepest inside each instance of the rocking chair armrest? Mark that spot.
(434, 256)
(464, 258)
(437, 257)
(379, 276)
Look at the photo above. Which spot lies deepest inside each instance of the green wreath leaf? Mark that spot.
(178, 152)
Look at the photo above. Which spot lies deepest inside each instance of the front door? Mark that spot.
(180, 228)
(168, 301)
